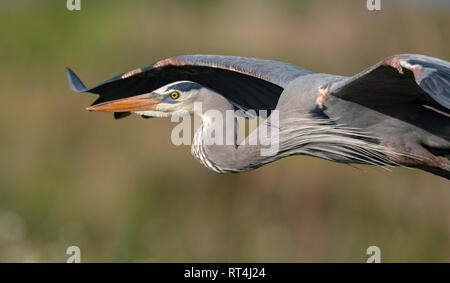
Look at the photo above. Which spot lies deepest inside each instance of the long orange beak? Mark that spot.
(141, 102)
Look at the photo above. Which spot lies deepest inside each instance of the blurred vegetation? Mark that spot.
(122, 192)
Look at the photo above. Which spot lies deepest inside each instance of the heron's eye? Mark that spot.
(174, 94)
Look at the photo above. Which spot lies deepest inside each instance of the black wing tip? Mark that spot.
(74, 81)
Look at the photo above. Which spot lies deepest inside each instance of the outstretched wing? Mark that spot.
(400, 79)
(411, 88)
(247, 83)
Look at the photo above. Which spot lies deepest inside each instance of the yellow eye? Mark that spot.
(174, 94)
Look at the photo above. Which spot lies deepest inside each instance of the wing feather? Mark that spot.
(411, 88)
(248, 83)
(406, 78)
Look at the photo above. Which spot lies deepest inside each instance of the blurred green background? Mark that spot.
(122, 192)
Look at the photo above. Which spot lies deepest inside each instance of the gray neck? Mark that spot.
(225, 155)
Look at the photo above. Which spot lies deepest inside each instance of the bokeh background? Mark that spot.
(122, 192)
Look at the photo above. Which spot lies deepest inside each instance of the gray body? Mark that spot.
(301, 93)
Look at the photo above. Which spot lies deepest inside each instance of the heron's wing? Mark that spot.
(400, 80)
(247, 83)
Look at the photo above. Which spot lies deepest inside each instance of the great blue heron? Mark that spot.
(395, 112)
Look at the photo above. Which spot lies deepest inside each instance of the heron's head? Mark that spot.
(163, 102)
